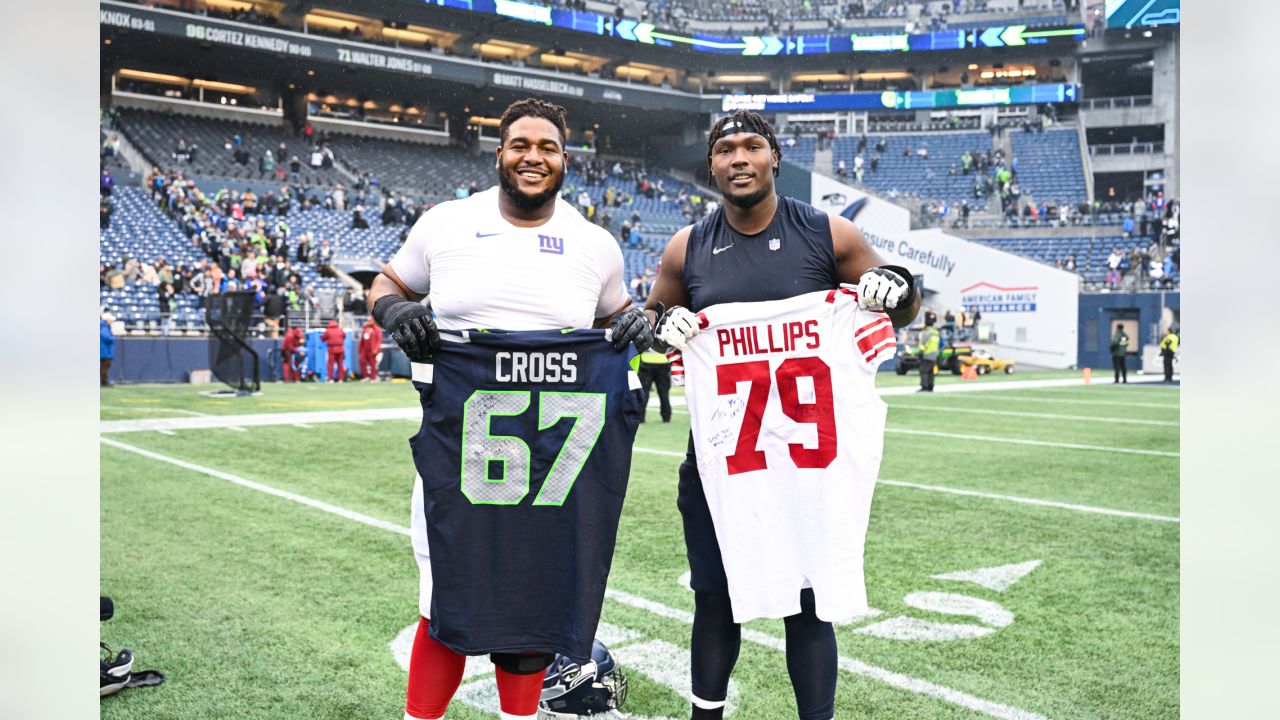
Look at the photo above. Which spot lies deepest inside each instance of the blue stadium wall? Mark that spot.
(171, 359)
(1099, 311)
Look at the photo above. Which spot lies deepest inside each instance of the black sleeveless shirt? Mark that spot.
(793, 255)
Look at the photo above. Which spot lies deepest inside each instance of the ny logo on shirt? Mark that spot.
(548, 244)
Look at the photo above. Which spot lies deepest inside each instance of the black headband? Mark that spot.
(737, 126)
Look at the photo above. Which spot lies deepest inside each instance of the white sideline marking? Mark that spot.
(1016, 441)
(315, 417)
(170, 433)
(857, 667)
(989, 496)
(304, 426)
(1040, 443)
(180, 411)
(302, 499)
(905, 682)
(1031, 501)
(415, 414)
(1056, 400)
(1047, 416)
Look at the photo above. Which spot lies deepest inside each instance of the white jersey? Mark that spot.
(789, 431)
(483, 272)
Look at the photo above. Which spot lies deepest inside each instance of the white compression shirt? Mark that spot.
(483, 272)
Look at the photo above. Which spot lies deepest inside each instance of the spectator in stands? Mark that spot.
(875, 163)
(273, 310)
(249, 266)
(1069, 264)
(104, 213)
(639, 288)
(106, 347)
(111, 146)
(304, 248)
(842, 170)
(1128, 226)
(460, 192)
(166, 297)
(267, 163)
(324, 254)
(335, 338)
(106, 183)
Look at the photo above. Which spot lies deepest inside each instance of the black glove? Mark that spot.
(410, 325)
(631, 327)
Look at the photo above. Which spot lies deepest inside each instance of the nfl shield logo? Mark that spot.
(775, 243)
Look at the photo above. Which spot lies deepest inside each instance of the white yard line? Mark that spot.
(1047, 416)
(314, 417)
(857, 667)
(1069, 401)
(1031, 501)
(1021, 441)
(1021, 500)
(898, 680)
(180, 411)
(317, 504)
(1037, 443)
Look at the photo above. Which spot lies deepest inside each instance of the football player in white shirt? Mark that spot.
(514, 257)
(757, 246)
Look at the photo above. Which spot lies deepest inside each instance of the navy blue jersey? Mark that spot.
(524, 453)
(792, 256)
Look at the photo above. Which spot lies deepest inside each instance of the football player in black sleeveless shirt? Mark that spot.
(758, 246)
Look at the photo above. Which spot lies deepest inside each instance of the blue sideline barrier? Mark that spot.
(171, 359)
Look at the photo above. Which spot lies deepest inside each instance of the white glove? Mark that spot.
(881, 288)
(675, 327)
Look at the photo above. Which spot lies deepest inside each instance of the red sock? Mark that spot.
(519, 694)
(435, 672)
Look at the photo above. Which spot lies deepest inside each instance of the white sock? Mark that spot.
(407, 716)
(509, 716)
(706, 704)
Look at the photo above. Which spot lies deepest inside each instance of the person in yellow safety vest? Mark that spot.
(1168, 347)
(655, 370)
(928, 351)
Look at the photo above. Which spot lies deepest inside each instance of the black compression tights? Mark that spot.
(811, 654)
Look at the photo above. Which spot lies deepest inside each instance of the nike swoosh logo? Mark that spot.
(485, 235)
(717, 251)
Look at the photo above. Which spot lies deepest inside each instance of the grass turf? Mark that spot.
(259, 607)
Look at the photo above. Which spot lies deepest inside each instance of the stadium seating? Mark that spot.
(802, 152)
(1049, 165)
(912, 175)
(432, 171)
(1090, 252)
(156, 134)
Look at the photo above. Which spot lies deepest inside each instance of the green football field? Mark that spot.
(1022, 558)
